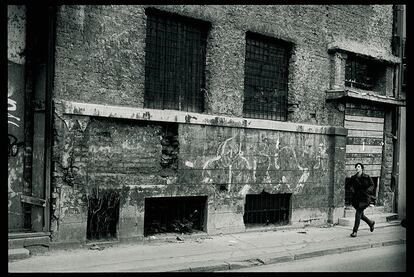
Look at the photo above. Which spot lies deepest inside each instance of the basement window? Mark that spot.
(103, 214)
(266, 208)
(174, 214)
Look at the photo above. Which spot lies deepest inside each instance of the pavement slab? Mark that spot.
(215, 253)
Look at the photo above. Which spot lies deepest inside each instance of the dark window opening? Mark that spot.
(266, 77)
(266, 208)
(174, 214)
(175, 57)
(348, 195)
(363, 73)
(103, 214)
(170, 149)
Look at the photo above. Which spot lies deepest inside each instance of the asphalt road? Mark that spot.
(379, 259)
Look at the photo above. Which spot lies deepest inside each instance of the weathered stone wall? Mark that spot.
(100, 51)
(96, 153)
(100, 54)
(127, 155)
(100, 58)
(16, 38)
(248, 161)
(387, 187)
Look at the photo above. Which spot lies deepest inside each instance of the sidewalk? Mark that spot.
(212, 253)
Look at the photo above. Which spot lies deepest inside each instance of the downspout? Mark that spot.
(397, 51)
(50, 73)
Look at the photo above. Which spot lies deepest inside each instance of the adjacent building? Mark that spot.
(127, 121)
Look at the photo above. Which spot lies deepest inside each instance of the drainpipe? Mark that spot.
(50, 73)
(397, 50)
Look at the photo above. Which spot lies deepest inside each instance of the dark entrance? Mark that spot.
(266, 208)
(30, 131)
(174, 214)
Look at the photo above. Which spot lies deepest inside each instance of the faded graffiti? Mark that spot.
(271, 164)
(11, 192)
(288, 151)
(14, 145)
(229, 159)
(12, 107)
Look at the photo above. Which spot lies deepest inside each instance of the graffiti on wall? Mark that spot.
(13, 144)
(11, 192)
(228, 161)
(287, 166)
(12, 107)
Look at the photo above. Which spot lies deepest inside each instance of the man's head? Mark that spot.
(359, 167)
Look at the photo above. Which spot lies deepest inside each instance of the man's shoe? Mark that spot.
(371, 228)
(354, 234)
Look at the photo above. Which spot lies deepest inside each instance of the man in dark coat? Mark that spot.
(362, 189)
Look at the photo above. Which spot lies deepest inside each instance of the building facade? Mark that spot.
(126, 121)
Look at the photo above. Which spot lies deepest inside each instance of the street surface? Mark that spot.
(380, 259)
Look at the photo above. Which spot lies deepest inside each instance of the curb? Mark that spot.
(18, 254)
(284, 257)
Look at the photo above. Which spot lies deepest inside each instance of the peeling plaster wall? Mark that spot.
(249, 161)
(126, 155)
(16, 35)
(100, 51)
(104, 154)
(100, 58)
(100, 54)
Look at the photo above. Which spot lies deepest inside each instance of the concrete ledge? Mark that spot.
(348, 93)
(30, 241)
(135, 113)
(18, 254)
(362, 49)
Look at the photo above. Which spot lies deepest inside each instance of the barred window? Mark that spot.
(266, 77)
(175, 62)
(364, 73)
(358, 73)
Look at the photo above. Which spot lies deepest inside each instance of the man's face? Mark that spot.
(358, 168)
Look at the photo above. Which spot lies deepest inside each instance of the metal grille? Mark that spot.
(174, 214)
(359, 73)
(266, 78)
(103, 214)
(266, 208)
(175, 62)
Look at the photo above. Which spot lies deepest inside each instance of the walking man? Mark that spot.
(362, 189)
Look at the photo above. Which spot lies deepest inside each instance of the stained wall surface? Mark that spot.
(15, 113)
(100, 59)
